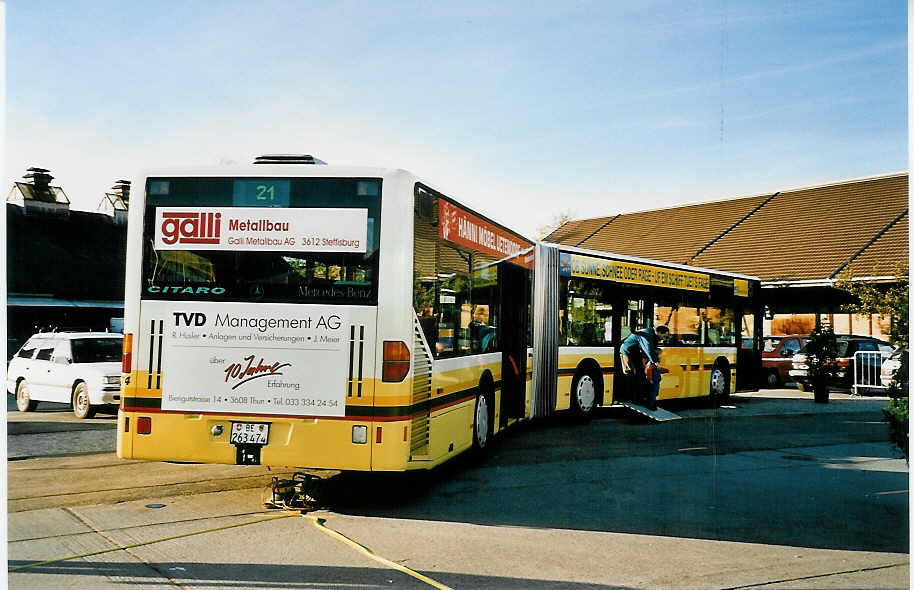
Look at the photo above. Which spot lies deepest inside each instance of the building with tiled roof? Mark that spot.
(798, 241)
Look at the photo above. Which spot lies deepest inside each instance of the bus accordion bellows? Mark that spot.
(353, 318)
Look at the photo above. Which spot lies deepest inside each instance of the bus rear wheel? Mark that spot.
(481, 428)
(583, 395)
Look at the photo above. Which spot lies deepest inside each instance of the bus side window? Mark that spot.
(685, 324)
(454, 315)
(482, 329)
(719, 326)
(587, 314)
(425, 270)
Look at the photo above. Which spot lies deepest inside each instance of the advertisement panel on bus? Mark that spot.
(248, 358)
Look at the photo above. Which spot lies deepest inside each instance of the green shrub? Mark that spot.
(897, 417)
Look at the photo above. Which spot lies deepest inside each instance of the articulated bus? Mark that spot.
(587, 302)
(292, 313)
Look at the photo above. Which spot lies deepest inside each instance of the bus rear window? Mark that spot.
(273, 274)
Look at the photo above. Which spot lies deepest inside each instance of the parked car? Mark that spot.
(777, 355)
(848, 345)
(895, 368)
(78, 368)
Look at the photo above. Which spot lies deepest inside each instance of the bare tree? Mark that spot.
(556, 221)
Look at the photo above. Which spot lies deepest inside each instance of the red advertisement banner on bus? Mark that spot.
(462, 227)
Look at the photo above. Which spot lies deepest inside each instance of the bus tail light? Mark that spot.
(396, 361)
(144, 425)
(127, 353)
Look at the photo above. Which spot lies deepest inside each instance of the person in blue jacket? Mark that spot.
(639, 351)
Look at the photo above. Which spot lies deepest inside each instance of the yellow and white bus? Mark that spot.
(318, 316)
(587, 302)
(292, 313)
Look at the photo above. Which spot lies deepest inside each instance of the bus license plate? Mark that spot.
(249, 433)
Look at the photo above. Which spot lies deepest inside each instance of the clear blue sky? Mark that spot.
(520, 109)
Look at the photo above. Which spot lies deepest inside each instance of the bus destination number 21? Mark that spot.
(266, 192)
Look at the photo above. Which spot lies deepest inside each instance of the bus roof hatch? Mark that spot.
(288, 159)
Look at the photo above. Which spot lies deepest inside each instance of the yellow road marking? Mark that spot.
(122, 548)
(319, 524)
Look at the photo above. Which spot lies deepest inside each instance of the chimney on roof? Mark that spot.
(122, 189)
(40, 179)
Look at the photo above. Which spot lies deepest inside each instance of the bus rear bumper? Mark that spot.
(319, 443)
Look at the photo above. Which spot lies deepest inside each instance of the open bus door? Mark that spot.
(749, 376)
(629, 315)
(513, 305)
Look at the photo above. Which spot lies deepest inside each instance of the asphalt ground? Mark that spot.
(52, 430)
(556, 506)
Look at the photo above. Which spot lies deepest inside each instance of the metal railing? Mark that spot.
(868, 370)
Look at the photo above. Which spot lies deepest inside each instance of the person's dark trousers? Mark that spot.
(636, 382)
(652, 390)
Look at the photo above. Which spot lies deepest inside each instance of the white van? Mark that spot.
(78, 368)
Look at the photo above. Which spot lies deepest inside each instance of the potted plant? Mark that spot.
(821, 355)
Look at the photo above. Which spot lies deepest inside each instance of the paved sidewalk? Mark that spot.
(46, 482)
(296, 552)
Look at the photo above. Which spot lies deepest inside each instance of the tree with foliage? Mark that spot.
(887, 300)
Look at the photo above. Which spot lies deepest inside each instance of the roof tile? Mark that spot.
(797, 235)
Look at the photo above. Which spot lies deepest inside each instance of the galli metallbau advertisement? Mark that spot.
(261, 228)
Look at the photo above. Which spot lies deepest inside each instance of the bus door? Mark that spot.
(749, 354)
(629, 315)
(513, 303)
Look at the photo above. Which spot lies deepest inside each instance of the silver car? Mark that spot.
(895, 368)
(78, 368)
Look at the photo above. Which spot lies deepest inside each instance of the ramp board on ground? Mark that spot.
(660, 415)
